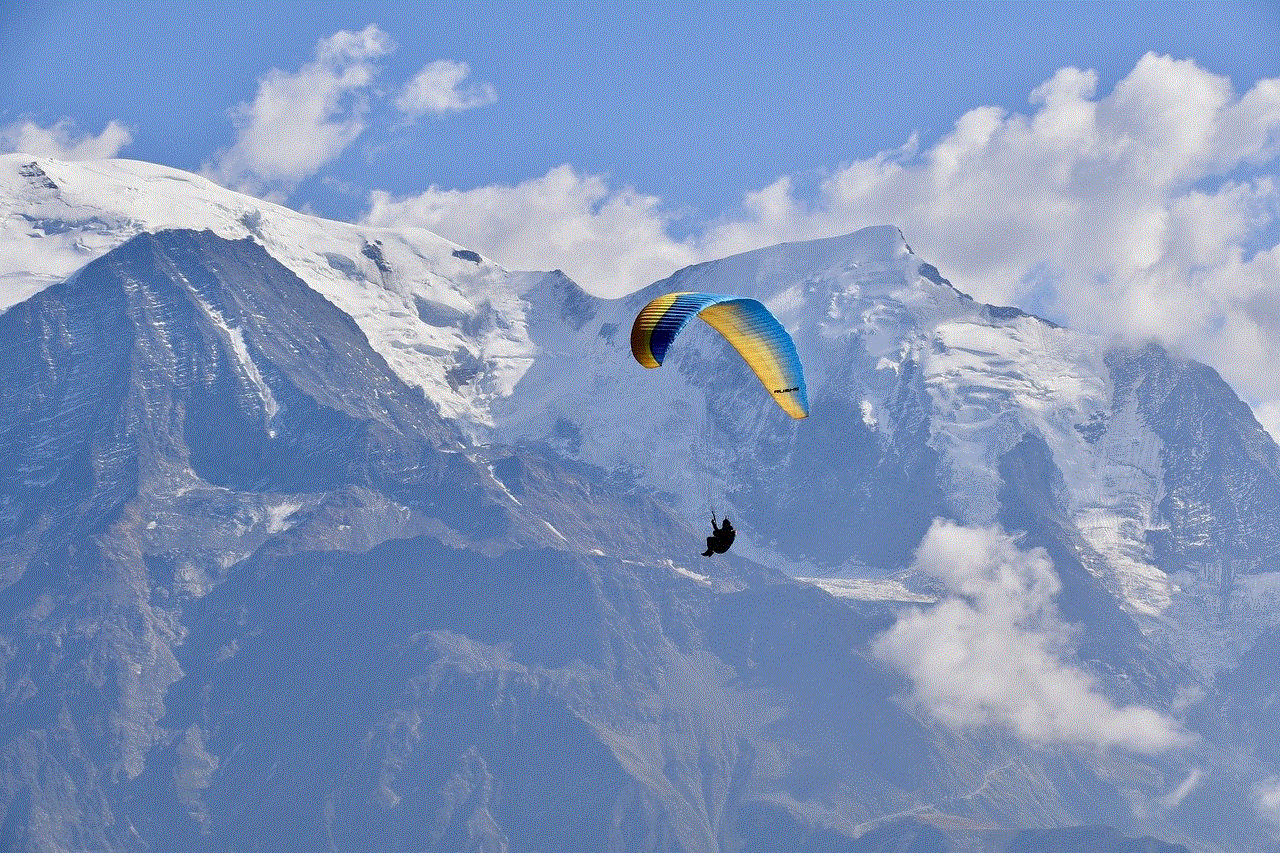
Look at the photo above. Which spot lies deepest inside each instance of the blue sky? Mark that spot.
(1112, 165)
(693, 103)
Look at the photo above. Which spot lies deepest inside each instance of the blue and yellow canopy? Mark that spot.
(745, 323)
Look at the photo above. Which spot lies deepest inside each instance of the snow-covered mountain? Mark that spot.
(408, 290)
(1169, 488)
(316, 536)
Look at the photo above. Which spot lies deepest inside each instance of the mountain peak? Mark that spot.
(879, 245)
(872, 243)
(56, 216)
(432, 309)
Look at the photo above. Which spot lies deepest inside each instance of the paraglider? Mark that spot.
(745, 323)
(752, 330)
(721, 537)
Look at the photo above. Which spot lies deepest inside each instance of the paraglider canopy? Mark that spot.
(745, 323)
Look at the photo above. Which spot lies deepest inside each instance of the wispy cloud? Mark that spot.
(62, 141)
(439, 88)
(1175, 797)
(300, 121)
(996, 651)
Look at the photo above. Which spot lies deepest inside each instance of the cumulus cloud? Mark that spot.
(299, 121)
(61, 141)
(605, 239)
(1086, 196)
(1149, 211)
(996, 652)
(438, 88)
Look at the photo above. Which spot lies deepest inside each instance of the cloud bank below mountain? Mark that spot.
(995, 652)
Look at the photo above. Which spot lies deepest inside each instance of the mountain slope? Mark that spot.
(1159, 477)
(317, 536)
(409, 291)
(235, 538)
(163, 423)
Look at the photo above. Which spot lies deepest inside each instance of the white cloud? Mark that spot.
(1130, 213)
(1175, 797)
(438, 88)
(61, 141)
(1136, 212)
(996, 652)
(1266, 799)
(607, 240)
(300, 121)
(1104, 191)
